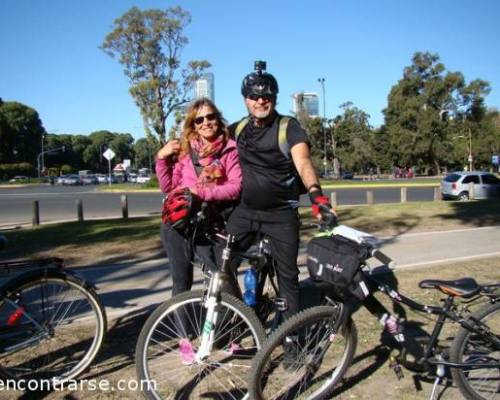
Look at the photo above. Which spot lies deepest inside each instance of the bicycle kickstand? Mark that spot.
(439, 375)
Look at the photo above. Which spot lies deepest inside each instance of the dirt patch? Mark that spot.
(369, 376)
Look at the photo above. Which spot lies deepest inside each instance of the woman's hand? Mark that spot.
(171, 147)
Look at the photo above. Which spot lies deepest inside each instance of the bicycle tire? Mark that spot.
(159, 361)
(315, 373)
(58, 331)
(479, 383)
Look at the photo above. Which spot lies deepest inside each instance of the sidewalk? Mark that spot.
(128, 287)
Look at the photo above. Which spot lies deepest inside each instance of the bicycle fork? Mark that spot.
(211, 304)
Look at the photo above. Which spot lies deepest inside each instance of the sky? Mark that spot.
(50, 60)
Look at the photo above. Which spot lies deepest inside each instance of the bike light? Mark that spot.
(15, 316)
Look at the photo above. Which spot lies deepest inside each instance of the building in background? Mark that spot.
(204, 87)
(306, 105)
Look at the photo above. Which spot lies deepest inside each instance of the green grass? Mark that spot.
(100, 241)
(347, 183)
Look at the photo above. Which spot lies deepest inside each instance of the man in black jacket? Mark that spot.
(273, 169)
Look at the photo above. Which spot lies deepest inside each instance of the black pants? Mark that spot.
(282, 228)
(181, 255)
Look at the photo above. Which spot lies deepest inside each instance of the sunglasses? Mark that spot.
(210, 117)
(256, 97)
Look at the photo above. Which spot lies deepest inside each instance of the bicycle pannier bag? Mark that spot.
(337, 260)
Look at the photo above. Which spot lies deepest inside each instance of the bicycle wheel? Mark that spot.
(480, 381)
(304, 358)
(167, 345)
(51, 327)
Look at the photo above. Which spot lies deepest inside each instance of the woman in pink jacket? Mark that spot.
(216, 178)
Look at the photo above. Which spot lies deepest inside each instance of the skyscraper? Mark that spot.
(306, 104)
(204, 87)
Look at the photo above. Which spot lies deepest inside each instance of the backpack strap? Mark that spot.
(241, 125)
(196, 162)
(282, 138)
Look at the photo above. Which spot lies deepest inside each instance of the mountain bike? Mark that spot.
(52, 322)
(200, 343)
(322, 341)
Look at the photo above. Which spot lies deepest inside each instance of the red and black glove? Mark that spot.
(321, 207)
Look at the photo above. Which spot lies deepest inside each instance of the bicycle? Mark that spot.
(208, 337)
(324, 338)
(52, 322)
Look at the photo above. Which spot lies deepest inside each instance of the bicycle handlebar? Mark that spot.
(383, 258)
(330, 219)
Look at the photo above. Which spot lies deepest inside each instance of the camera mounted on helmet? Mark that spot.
(259, 83)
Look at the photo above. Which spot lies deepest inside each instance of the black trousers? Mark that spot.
(282, 228)
(181, 255)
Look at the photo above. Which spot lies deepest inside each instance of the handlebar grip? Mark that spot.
(383, 258)
(329, 217)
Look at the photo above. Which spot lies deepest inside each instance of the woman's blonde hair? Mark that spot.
(189, 133)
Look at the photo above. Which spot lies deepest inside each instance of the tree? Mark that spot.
(21, 133)
(354, 137)
(144, 153)
(417, 132)
(149, 45)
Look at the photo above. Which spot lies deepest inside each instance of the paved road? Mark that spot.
(59, 202)
(128, 287)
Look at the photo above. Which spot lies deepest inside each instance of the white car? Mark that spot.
(143, 178)
(456, 185)
(132, 177)
(101, 178)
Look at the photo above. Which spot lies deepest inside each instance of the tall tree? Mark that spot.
(149, 45)
(144, 152)
(21, 132)
(354, 137)
(418, 133)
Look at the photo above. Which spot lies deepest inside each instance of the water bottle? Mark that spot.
(249, 296)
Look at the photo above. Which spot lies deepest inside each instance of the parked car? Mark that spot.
(89, 180)
(132, 177)
(455, 186)
(19, 178)
(143, 178)
(72, 180)
(60, 180)
(101, 178)
(347, 175)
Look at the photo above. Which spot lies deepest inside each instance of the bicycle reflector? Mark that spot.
(178, 208)
(15, 317)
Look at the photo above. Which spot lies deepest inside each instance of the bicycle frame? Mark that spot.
(446, 312)
(212, 297)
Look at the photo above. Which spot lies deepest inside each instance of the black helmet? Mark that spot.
(259, 83)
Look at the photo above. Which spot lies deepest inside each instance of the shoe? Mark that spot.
(291, 357)
(233, 348)
(187, 352)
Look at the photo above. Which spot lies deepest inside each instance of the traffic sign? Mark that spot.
(109, 154)
(495, 159)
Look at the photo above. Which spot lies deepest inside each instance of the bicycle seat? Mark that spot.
(465, 287)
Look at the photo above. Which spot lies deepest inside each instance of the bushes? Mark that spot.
(8, 171)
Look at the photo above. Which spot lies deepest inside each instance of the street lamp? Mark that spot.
(322, 82)
(50, 151)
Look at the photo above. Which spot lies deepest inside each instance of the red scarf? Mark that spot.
(208, 155)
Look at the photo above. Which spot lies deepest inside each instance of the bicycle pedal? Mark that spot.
(396, 367)
(281, 304)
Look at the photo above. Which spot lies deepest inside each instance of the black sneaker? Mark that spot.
(291, 357)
